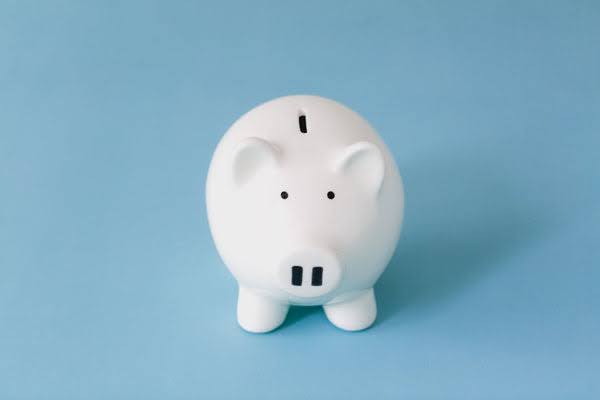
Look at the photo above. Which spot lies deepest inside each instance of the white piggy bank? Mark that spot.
(305, 204)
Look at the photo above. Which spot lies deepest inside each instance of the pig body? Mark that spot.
(305, 204)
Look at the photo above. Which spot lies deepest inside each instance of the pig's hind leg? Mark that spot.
(257, 313)
(355, 314)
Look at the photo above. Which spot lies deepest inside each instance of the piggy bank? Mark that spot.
(305, 204)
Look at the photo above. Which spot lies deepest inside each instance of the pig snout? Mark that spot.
(310, 272)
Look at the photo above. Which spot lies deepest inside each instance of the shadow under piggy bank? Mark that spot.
(461, 222)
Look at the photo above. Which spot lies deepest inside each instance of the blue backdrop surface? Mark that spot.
(110, 287)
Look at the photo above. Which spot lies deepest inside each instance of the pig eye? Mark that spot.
(284, 195)
(330, 195)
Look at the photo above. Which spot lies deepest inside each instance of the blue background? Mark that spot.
(110, 286)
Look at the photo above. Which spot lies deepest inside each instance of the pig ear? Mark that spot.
(249, 156)
(364, 162)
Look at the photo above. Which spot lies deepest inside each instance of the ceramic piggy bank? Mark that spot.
(305, 204)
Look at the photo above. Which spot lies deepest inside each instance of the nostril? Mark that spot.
(297, 275)
(317, 276)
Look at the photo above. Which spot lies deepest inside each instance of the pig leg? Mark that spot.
(257, 313)
(355, 314)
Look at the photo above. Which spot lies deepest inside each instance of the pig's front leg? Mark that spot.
(258, 313)
(355, 314)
